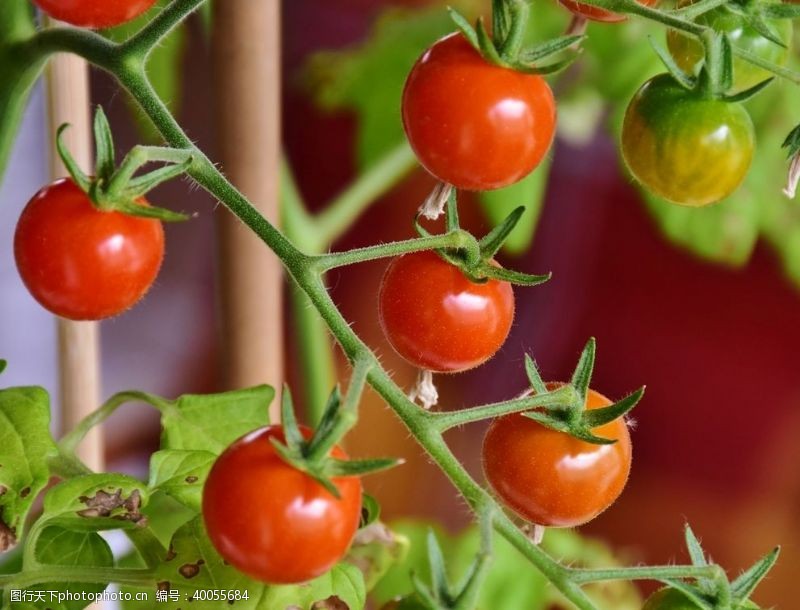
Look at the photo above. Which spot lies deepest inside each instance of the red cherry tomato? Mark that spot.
(595, 13)
(551, 478)
(472, 124)
(273, 522)
(95, 14)
(439, 320)
(82, 263)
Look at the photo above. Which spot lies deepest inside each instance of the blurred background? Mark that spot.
(702, 306)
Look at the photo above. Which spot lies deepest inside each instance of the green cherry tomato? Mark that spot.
(688, 51)
(683, 147)
(672, 599)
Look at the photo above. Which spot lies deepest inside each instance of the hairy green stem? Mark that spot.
(70, 574)
(582, 576)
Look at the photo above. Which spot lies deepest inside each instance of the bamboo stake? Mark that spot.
(78, 342)
(246, 49)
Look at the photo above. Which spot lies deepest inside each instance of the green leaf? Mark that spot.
(212, 422)
(193, 564)
(528, 193)
(95, 502)
(61, 547)
(181, 474)
(375, 550)
(744, 586)
(25, 447)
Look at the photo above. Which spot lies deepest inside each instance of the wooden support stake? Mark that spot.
(246, 49)
(78, 349)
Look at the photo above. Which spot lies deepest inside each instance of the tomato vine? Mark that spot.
(306, 262)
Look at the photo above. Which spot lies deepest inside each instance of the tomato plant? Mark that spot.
(272, 521)
(473, 124)
(684, 147)
(94, 14)
(82, 263)
(595, 13)
(551, 478)
(689, 53)
(437, 318)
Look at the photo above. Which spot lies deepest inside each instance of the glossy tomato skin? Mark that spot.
(273, 522)
(95, 14)
(472, 124)
(685, 148)
(688, 52)
(550, 478)
(595, 13)
(82, 263)
(439, 320)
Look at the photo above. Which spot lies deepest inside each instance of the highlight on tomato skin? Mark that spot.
(438, 319)
(473, 124)
(94, 14)
(683, 147)
(551, 478)
(82, 263)
(273, 522)
(595, 13)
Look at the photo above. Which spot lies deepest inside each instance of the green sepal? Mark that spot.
(451, 212)
(3, 365)
(605, 415)
(513, 277)
(759, 24)
(297, 461)
(75, 172)
(778, 10)
(745, 95)
(140, 186)
(370, 510)
(105, 161)
(792, 142)
(501, 19)
(550, 47)
(351, 468)
(294, 438)
(685, 80)
(328, 420)
(547, 70)
(696, 552)
(582, 376)
(744, 585)
(532, 371)
(559, 421)
(440, 584)
(491, 243)
(131, 208)
(487, 45)
(465, 28)
(703, 602)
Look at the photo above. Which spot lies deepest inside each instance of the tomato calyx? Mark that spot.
(504, 47)
(476, 260)
(575, 419)
(312, 456)
(716, 593)
(113, 189)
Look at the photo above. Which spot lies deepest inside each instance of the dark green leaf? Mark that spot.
(593, 418)
(212, 422)
(181, 474)
(25, 447)
(744, 586)
(529, 193)
(537, 383)
(493, 241)
(582, 376)
(60, 547)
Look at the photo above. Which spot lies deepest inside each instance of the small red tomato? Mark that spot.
(595, 13)
(82, 263)
(437, 319)
(95, 14)
(473, 124)
(272, 521)
(551, 478)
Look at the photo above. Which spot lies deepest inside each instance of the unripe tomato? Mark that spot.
(551, 478)
(683, 147)
(595, 13)
(82, 263)
(688, 51)
(438, 319)
(95, 14)
(473, 124)
(272, 521)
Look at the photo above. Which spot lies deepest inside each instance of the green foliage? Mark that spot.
(512, 583)
(25, 447)
(181, 474)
